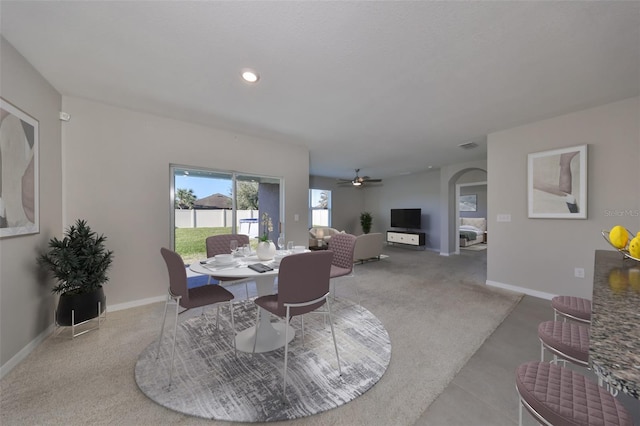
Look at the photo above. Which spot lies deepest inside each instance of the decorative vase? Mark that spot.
(266, 250)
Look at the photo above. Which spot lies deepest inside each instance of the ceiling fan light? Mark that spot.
(356, 183)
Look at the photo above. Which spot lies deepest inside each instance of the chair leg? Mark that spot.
(541, 352)
(334, 336)
(519, 412)
(233, 329)
(164, 318)
(217, 316)
(255, 336)
(286, 355)
(173, 349)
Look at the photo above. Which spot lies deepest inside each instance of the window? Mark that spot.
(319, 207)
(209, 202)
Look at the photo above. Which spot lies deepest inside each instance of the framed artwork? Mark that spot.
(557, 183)
(19, 196)
(469, 203)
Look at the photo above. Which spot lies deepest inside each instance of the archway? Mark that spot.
(449, 175)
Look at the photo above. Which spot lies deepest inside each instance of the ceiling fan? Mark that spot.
(358, 180)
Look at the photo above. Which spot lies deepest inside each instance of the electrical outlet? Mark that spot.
(578, 272)
(296, 217)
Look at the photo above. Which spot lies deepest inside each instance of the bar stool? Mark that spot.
(556, 395)
(566, 340)
(576, 308)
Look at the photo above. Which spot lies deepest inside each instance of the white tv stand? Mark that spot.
(416, 239)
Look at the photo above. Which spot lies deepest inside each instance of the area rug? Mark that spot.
(210, 382)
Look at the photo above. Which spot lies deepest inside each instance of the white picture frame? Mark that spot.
(19, 180)
(557, 183)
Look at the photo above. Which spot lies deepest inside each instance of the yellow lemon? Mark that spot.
(618, 237)
(634, 247)
(618, 280)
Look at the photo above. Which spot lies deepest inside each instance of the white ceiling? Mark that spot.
(387, 87)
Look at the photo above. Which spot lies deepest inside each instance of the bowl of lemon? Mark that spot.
(624, 241)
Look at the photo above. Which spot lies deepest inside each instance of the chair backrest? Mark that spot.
(304, 277)
(219, 244)
(177, 274)
(342, 246)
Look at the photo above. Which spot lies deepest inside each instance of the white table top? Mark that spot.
(239, 269)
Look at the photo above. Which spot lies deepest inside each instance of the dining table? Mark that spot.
(271, 336)
(614, 345)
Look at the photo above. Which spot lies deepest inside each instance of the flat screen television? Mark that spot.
(406, 218)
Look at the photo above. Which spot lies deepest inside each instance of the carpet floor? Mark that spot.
(436, 309)
(475, 247)
(209, 381)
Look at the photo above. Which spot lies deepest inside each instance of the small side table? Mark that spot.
(485, 237)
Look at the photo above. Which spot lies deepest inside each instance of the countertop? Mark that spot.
(614, 349)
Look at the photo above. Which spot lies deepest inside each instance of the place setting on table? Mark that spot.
(244, 259)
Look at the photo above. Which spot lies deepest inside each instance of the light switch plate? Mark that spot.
(504, 217)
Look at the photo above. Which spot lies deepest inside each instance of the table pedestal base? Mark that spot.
(270, 337)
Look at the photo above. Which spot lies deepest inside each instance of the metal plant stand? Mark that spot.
(99, 318)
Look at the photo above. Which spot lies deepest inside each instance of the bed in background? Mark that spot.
(472, 230)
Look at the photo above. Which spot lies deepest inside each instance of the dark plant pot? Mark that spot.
(84, 306)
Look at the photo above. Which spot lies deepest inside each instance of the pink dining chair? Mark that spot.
(303, 287)
(221, 244)
(189, 298)
(343, 246)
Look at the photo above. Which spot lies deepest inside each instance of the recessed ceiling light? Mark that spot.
(249, 75)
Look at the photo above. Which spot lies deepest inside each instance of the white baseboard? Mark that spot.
(24, 352)
(135, 303)
(527, 291)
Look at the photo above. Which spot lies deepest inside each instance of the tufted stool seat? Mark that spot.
(566, 340)
(576, 308)
(559, 396)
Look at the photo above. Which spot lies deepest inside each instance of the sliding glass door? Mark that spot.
(209, 202)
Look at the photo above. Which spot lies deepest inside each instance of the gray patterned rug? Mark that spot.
(210, 382)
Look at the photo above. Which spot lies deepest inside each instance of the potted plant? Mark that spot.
(365, 221)
(266, 249)
(79, 263)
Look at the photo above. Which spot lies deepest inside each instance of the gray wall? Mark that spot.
(26, 302)
(539, 255)
(419, 190)
(115, 157)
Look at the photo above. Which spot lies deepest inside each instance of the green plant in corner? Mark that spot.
(365, 221)
(79, 262)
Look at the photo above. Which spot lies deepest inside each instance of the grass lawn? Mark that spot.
(190, 242)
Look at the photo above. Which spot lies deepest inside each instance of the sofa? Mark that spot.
(368, 246)
(321, 233)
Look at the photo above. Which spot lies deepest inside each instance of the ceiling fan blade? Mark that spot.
(373, 180)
